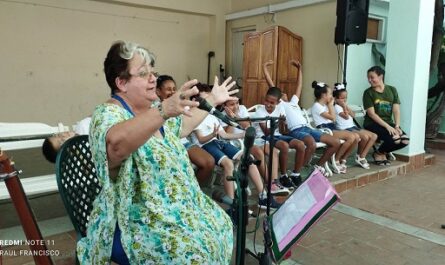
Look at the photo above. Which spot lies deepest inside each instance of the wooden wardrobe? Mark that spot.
(279, 45)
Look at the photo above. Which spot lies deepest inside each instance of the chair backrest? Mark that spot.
(307, 114)
(77, 181)
(360, 114)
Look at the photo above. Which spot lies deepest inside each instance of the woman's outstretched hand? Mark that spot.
(180, 103)
(222, 93)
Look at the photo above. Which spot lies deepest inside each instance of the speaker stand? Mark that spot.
(345, 62)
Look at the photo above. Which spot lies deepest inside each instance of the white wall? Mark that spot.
(407, 66)
(360, 59)
(315, 24)
(53, 50)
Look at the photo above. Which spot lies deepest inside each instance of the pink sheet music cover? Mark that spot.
(307, 204)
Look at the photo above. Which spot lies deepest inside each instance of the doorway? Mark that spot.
(237, 55)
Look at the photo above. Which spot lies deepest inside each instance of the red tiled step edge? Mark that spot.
(403, 166)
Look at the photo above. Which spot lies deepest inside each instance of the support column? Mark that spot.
(410, 27)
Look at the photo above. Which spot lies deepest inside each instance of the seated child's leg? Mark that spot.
(311, 145)
(346, 148)
(231, 151)
(333, 144)
(203, 161)
(284, 152)
(275, 162)
(299, 154)
(367, 144)
(254, 175)
(258, 154)
(305, 134)
(364, 139)
(227, 165)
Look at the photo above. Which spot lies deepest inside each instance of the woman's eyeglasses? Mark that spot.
(145, 74)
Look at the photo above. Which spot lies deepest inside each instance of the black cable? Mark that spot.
(259, 209)
(339, 63)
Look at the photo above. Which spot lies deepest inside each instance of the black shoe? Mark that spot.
(231, 212)
(262, 203)
(296, 180)
(286, 182)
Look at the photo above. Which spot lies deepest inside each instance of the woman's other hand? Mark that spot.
(180, 103)
(392, 131)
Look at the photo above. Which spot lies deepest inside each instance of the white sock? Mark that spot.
(263, 195)
(295, 174)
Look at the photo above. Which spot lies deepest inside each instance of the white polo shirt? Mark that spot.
(317, 109)
(294, 116)
(262, 112)
(207, 126)
(341, 123)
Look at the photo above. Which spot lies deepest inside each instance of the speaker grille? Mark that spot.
(352, 21)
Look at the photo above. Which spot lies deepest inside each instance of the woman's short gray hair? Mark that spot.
(118, 56)
(128, 50)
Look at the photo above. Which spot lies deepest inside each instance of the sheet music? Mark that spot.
(292, 211)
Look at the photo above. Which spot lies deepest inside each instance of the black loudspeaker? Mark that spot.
(352, 21)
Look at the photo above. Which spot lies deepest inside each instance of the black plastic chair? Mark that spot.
(77, 181)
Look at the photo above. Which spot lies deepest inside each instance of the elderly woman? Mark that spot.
(382, 104)
(151, 209)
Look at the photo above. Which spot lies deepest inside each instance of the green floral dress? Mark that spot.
(163, 215)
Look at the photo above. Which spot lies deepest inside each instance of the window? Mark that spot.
(375, 29)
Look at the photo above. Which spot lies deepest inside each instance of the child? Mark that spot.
(274, 97)
(323, 114)
(52, 144)
(298, 128)
(223, 153)
(344, 121)
(233, 109)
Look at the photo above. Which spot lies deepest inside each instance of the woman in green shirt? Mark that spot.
(382, 105)
(151, 209)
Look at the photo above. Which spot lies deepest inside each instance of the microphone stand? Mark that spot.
(240, 202)
(266, 257)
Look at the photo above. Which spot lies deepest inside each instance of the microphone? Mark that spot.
(220, 196)
(204, 105)
(249, 139)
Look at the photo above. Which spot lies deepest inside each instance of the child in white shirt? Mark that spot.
(224, 152)
(344, 121)
(324, 116)
(233, 109)
(298, 128)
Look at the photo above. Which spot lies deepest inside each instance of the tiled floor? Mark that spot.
(415, 199)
